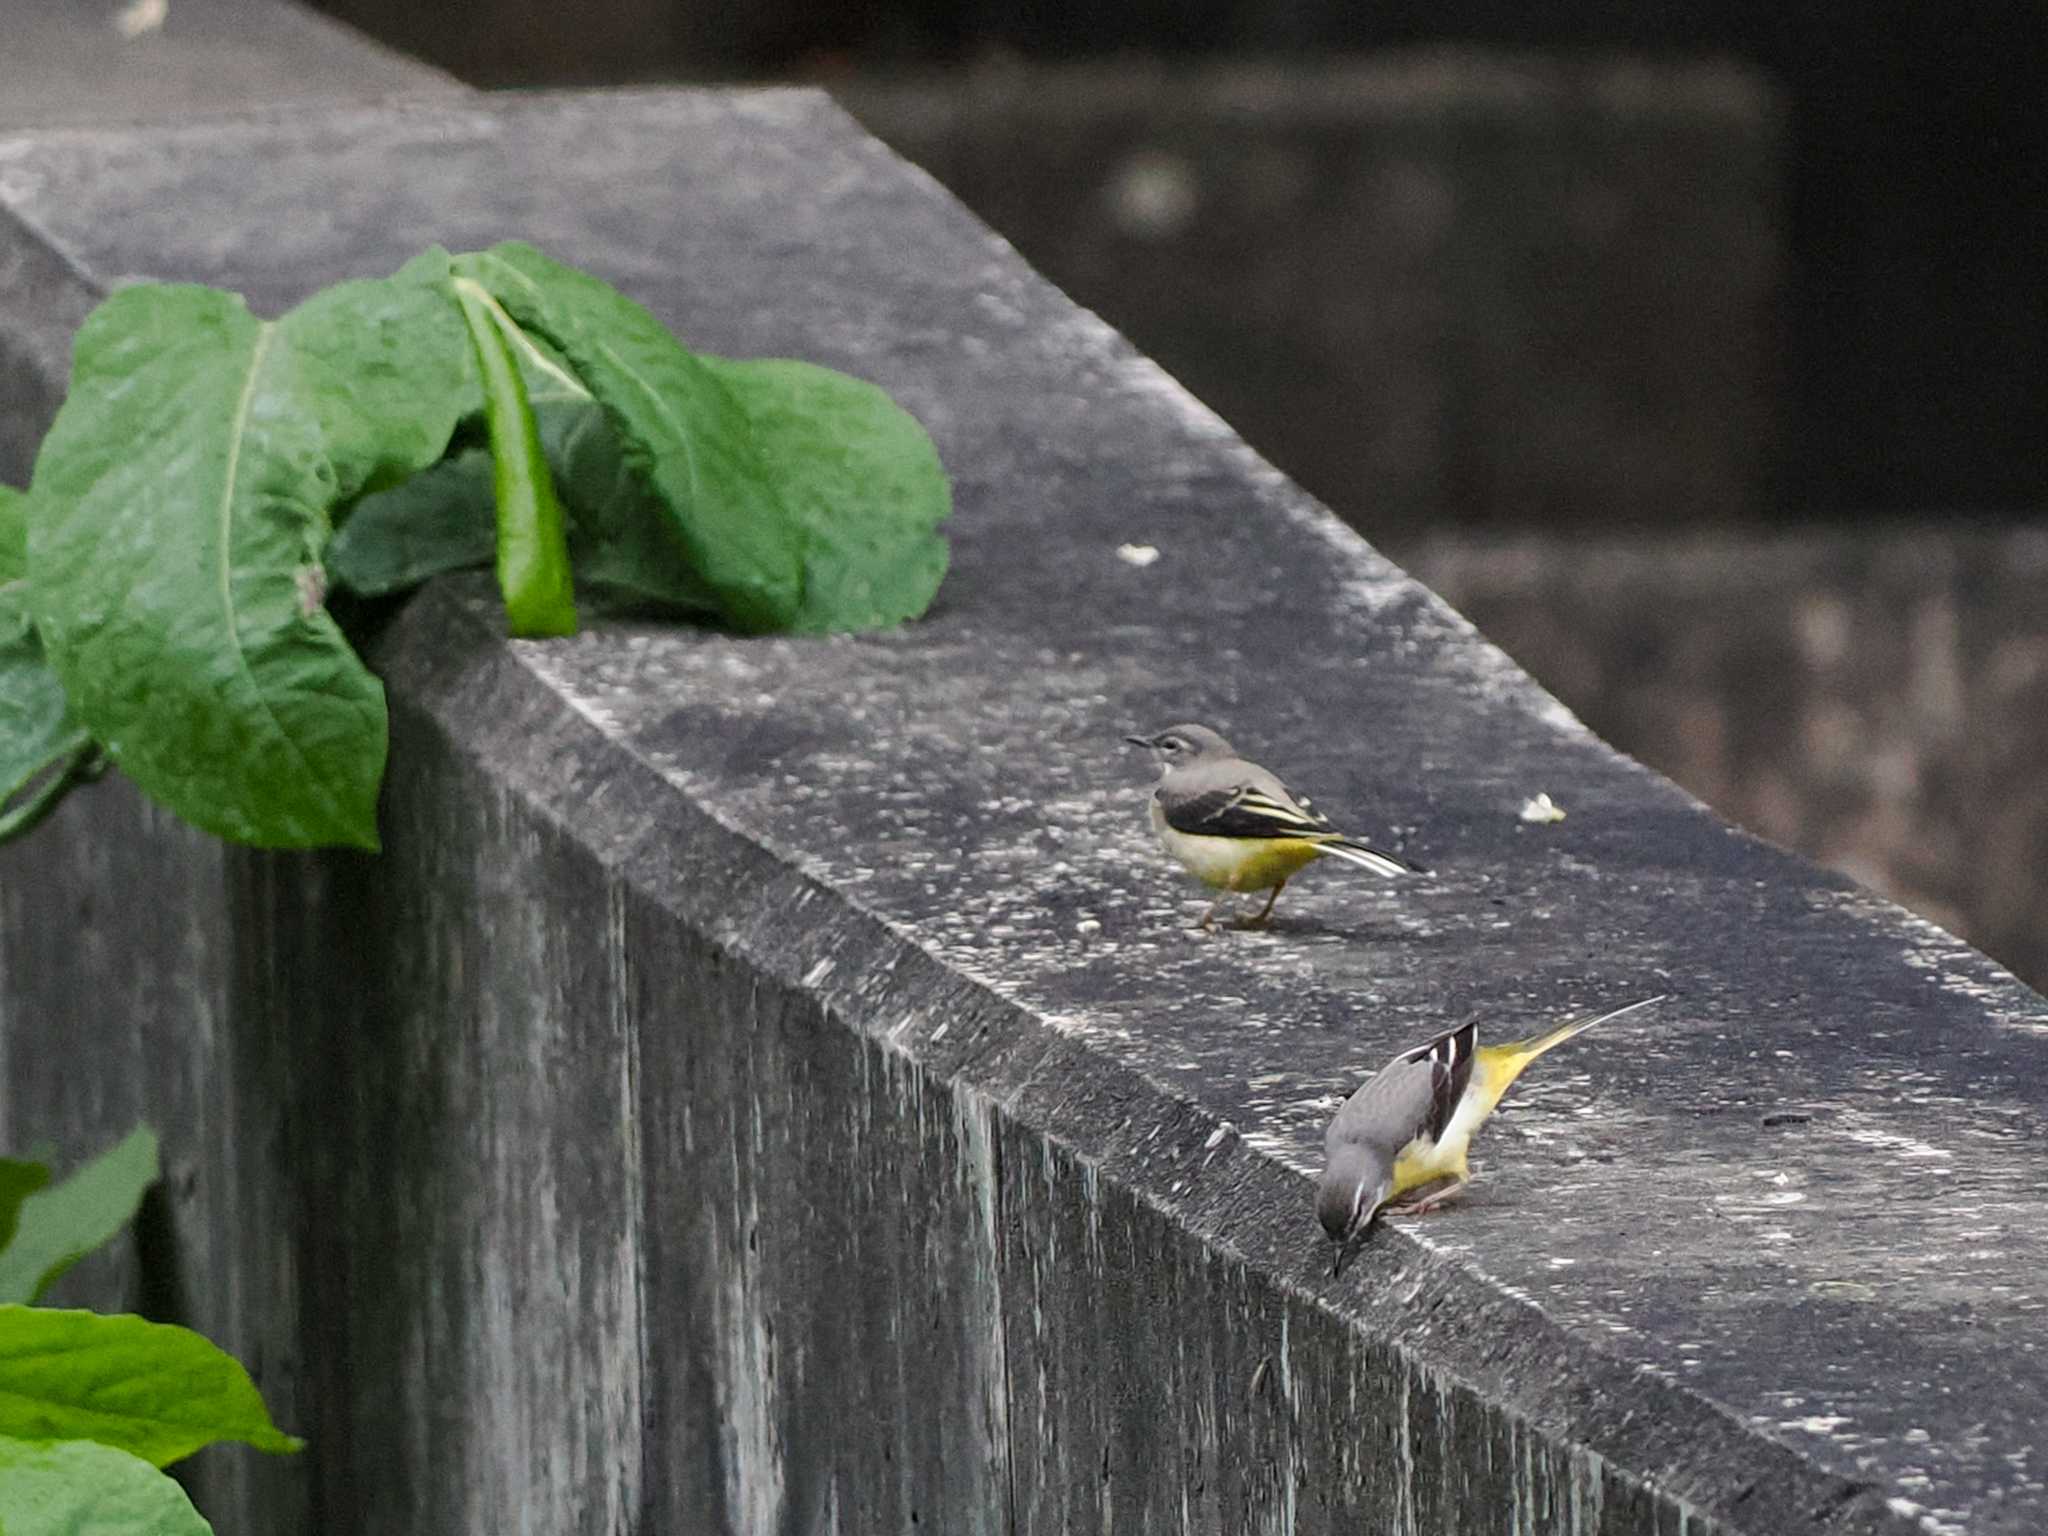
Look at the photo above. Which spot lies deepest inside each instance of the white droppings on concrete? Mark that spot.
(1854, 1125)
(1936, 1522)
(1816, 1424)
(1139, 555)
(140, 17)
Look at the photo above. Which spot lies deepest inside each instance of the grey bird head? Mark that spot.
(1356, 1180)
(1179, 745)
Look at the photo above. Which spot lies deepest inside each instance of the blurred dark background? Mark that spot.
(1911, 167)
(1698, 352)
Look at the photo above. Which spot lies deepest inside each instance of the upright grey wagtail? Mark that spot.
(1236, 827)
(1401, 1139)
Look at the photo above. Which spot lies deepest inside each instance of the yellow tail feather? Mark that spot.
(1500, 1065)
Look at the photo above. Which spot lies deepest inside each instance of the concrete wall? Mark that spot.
(1444, 289)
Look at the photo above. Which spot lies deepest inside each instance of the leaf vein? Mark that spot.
(243, 408)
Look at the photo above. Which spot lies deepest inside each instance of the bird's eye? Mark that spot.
(1171, 744)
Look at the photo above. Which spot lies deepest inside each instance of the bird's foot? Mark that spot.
(1428, 1197)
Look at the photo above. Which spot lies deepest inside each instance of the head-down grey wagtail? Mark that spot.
(1236, 827)
(1401, 1139)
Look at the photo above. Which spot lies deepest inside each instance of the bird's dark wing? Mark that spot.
(1450, 1057)
(1242, 810)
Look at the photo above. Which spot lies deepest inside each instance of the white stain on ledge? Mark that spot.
(1894, 1142)
(141, 17)
(1929, 1519)
(1958, 969)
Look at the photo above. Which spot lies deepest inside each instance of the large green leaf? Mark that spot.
(862, 480)
(176, 574)
(78, 1488)
(682, 429)
(175, 559)
(18, 1180)
(151, 1389)
(57, 1227)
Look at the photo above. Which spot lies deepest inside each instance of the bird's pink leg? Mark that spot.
(1444, 1189)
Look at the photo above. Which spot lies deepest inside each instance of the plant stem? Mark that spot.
(78, 765)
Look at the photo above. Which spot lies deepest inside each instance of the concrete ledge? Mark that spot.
(736, 1101)
(1874, 697)
(70, 61)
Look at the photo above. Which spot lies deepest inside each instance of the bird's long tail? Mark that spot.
(1378, 860)
(1505, 1062)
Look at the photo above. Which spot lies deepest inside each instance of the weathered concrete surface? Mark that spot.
(769, 1085)
(88, 61)
(1875, 698)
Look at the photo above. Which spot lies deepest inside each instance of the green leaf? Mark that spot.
(440, 520)
(622, 544)
(682, 431)
(802, 498)
(59, 1226)
(860, 477)
(621, 539)
(175, 567)
(43, 747)
(13, 534)
(38, 731)
(154, 1390)
(18, 1180)
(386, 368)
(533, 546)
(78, 1488)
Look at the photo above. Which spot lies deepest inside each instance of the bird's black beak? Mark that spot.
(1139, 741)
(1349, 1244)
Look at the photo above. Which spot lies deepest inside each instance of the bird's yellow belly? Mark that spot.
(1236, 863)
(1425, 1162)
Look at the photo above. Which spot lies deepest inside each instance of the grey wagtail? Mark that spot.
(1235, 827)
(1401, 1139)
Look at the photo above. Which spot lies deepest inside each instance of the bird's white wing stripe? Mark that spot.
(1259, 803)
